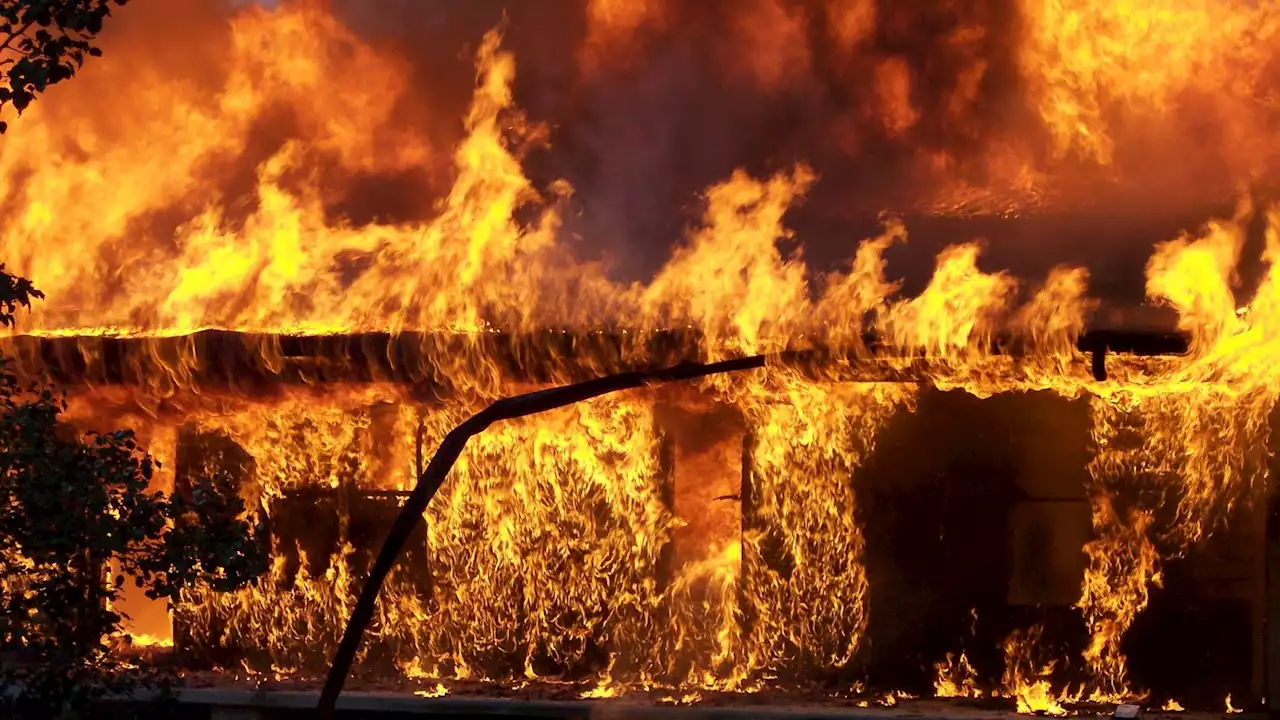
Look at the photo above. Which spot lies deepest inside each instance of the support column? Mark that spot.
(666, 569)
(371, 512)
(1260, 527)
(1266, 653)
(198, 456)
(750, 525)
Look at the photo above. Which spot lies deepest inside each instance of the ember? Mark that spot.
(276, 258)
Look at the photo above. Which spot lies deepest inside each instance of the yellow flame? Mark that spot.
(1103, 71)
(145, 640)
(1028, 681)
(438, 691)
(955, 677)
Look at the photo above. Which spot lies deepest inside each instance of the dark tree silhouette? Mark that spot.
(78, 515)
(43, 42)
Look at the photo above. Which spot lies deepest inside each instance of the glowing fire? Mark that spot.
(1105, 70)
(1029, 681)
(550, 548)
(439, 690)
(956, 678)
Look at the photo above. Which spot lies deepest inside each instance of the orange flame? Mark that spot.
(548, 546)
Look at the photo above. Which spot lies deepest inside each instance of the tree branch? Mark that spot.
(31, 14)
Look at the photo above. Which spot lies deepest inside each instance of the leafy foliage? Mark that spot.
(74, 509)
(43, 42)
(15, 292)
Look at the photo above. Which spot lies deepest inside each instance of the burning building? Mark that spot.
(1027, 250)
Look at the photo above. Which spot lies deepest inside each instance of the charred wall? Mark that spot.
(976, 517)
(972, 513)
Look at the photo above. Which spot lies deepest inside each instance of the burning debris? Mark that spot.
(230, 285)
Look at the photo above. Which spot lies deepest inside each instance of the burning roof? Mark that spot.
(271, 174)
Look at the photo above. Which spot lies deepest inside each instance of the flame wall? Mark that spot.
(298, 169)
